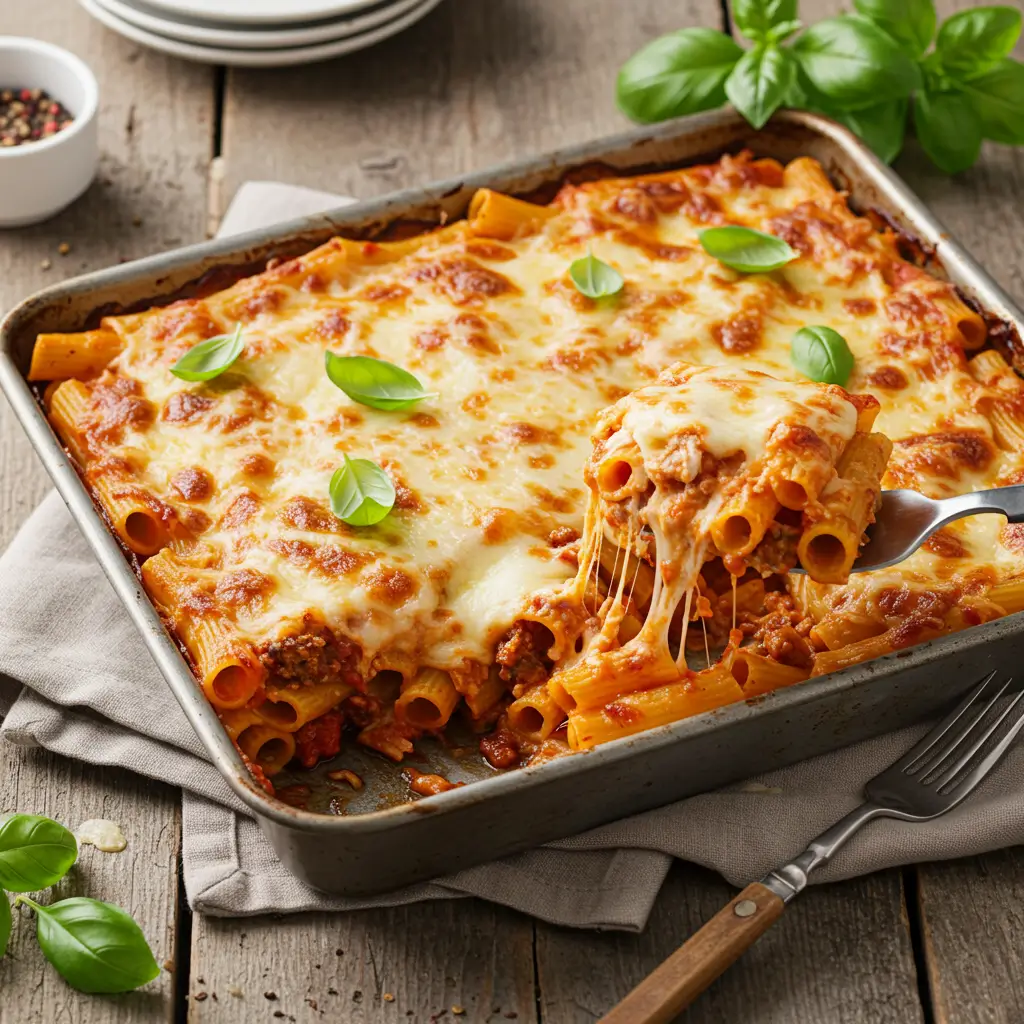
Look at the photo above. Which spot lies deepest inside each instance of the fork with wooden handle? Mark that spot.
(943, 769)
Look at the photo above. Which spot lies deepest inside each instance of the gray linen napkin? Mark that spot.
(107, 704)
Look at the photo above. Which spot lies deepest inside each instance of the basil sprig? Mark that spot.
(760, 82)
(681, 73)
(972, 41)
(210, 358)
(746, 250)
(822, 354)
(95, 946)
(866, 70)
(595, 278)
(362, 494)
(35, 853)
(765, 20)
(375, 382)
(911, 23)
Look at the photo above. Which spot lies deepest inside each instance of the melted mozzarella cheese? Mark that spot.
(522, 364)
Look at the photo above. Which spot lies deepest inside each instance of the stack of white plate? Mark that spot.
(258, 33)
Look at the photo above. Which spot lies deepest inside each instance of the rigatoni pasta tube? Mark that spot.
(228, 671)
(593, 682)
(70, 405)
(742, 522)
(134, 519)
(836, 631)
(493, 215)
(828, 545)
(484, 698)
(290, 708)
(757, 674)
(266, 746)
(535, 714)
(79, 355)
(1006, 410)
(428, 699)
(636, 712)
(1009, 596)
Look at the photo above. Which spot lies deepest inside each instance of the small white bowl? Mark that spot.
(38, 179)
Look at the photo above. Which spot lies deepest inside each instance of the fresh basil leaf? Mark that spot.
(683, 72)
(362, 494)
(746, 250)
(821, 354)
(210, 358)
(95, 946)
(595, 278)
(883, 127)
(783, 30)
(948, 129)
(852, 63)
(756, 18)
(972, 41)
(5, 923)
(35, 852)
(760, 82)
(997, 98)
(375, 382)
(910, 22)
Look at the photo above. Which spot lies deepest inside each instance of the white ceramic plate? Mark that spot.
(255, 12)
(258, 58)
(191, 30)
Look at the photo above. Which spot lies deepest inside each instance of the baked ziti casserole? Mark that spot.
(547, 468)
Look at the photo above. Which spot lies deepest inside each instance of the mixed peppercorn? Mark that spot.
(28, 115)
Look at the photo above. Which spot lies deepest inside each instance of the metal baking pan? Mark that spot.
(379, 840)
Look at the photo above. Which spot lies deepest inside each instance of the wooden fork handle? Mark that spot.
(702, 958)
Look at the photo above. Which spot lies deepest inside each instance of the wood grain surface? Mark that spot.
(156, 123)
(840, 953)
(143, 879)
(454, 960)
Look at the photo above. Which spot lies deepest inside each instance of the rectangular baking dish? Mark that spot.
(378, 840)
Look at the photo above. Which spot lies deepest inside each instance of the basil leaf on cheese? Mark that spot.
(595, 278)
(210, 358)
(822, 354)
(375, 382)
(746, 250)
(362, 494)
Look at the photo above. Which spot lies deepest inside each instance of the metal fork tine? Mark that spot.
(950, 773)
(982, 768)
(952, 744)
(917, 752)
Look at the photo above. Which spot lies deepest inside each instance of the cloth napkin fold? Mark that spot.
(80, 682)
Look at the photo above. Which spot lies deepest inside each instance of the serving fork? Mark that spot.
(936, 775)
(906, 519)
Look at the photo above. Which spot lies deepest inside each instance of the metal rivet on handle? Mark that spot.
(745, 908)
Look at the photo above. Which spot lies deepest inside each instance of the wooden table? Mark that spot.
(479, 81)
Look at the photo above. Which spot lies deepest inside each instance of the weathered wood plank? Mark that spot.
(142, 879)
(406, 964)
(472, 85)
(156, 123)
(969, 910)
(972, 927)
(840, 952)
